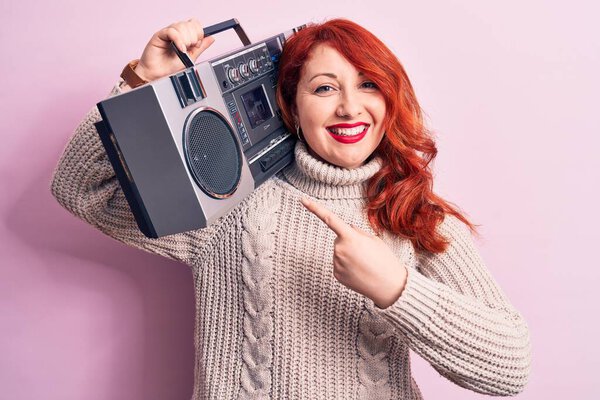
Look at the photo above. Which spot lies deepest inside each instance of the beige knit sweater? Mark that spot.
(271, 320)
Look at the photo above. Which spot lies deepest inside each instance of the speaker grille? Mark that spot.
(212, 153)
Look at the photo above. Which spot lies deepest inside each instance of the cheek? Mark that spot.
(311, 117)
(379, 114)
(313, 114)
(379, 108)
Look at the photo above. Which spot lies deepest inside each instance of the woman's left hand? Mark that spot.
(362, 262)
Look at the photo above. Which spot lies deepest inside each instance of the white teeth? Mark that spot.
(348, 131)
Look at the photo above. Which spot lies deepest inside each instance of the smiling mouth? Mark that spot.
(348, 132)
(348, 135)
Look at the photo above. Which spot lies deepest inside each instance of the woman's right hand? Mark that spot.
(159, 59)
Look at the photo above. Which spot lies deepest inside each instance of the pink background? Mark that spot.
(511, 88)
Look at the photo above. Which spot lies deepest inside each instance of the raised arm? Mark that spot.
(84, 183)
(456, 317)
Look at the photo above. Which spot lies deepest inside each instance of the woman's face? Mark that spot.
(340, 111)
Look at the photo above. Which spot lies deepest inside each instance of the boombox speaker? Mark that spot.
(189, 147)
(212, 153)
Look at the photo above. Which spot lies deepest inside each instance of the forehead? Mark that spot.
(325, 59)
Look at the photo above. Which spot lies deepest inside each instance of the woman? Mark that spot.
(292, 306)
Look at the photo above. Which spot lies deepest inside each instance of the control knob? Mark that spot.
(234, 75)
(253, 64)
(244, 71)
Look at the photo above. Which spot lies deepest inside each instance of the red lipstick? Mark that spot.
(347, 125)
(349, 139)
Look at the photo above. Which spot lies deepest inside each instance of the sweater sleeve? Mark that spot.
(456, 317)
(85, 183)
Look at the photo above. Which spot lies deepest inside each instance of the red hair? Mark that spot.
(400, 196)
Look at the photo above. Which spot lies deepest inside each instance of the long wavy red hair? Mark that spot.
(400, 196)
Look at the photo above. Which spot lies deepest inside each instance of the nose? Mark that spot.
(349, 105)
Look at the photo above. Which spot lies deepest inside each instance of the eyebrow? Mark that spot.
(330, 74)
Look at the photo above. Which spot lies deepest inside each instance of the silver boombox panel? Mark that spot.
(189, 147)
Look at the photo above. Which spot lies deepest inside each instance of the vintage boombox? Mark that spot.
(189, 147)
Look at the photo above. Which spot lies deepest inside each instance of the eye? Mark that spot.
(324, 89)
(369, 85)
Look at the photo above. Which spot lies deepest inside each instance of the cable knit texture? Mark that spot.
(271, 320)
(257, 245)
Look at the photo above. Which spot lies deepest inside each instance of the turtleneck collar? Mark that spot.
(326, 181)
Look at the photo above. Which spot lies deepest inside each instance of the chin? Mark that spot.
(349, 164)
(341, 160)
(354, 160)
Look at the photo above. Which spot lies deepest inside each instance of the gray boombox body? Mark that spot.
(189, 147)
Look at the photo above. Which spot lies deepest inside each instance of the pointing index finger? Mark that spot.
(334, 222)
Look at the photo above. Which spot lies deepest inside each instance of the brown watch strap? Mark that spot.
(130, 77)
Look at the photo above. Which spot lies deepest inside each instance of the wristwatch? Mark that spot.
(130, 77)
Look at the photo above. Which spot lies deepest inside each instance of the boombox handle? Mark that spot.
(223, 26)
(211, 30)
